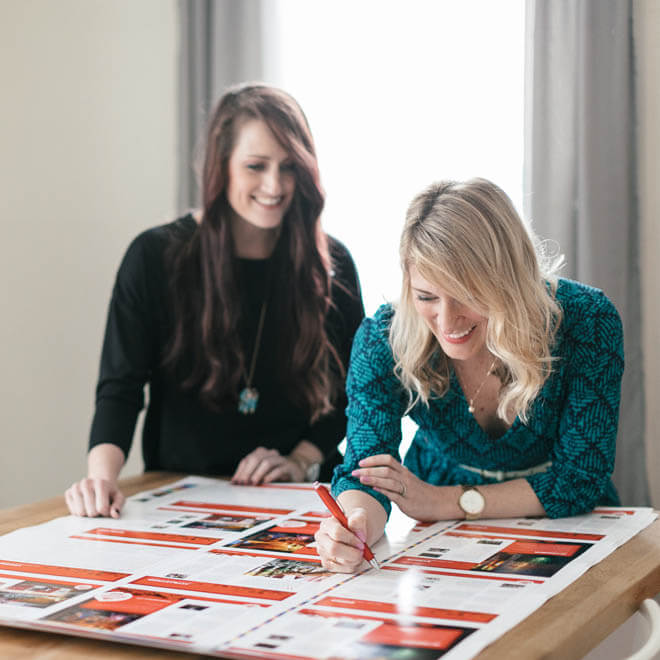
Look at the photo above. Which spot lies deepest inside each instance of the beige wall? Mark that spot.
(647, 36)
(87, 159)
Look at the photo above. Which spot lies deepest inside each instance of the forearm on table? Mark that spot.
(509, 499)
(104, 461)
(376, 515)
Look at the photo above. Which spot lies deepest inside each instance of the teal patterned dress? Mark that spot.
(572, 422)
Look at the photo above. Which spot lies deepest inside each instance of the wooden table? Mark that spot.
(564, 628)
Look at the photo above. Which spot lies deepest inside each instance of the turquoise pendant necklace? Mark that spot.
(248, 397)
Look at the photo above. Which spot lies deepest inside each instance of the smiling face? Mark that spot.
(460, 331)
(261, 179)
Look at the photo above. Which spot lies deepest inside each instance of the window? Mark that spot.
(399, 95)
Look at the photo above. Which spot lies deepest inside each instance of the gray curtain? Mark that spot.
(221, 43)
(580, 179)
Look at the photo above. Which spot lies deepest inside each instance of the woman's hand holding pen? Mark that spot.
(414, 497)
(342, 550)
(342, 539)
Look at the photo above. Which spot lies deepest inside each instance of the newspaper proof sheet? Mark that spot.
(209, 567)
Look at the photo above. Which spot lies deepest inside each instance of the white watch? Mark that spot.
(472, 502)
(310, 471)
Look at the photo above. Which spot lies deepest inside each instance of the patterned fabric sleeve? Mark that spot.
(583, 456)
(376, 403)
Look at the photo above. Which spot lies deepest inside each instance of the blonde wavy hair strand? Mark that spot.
(468, 239)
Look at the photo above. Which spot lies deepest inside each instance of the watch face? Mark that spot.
(472, 502)
(313, 472)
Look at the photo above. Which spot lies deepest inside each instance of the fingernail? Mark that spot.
(362, 536)
(355, 473)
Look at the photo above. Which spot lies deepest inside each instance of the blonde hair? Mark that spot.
(468, 239)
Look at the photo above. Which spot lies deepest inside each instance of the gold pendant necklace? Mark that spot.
(249, 396)
(476, 394)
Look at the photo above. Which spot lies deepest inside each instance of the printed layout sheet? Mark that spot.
(209, 567)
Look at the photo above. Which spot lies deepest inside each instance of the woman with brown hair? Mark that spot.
(239, 317)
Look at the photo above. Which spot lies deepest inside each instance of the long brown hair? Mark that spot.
(205, 351)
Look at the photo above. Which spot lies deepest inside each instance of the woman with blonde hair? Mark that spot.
(511, 373)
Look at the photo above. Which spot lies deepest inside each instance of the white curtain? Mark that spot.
(580, 178)
(221, 43)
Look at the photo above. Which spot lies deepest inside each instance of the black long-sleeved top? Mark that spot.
(180, 433)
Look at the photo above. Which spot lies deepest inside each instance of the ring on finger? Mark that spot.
(403, 490)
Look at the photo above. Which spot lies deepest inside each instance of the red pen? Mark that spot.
(334, 509)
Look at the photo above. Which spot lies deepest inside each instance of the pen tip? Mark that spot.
(374, 563)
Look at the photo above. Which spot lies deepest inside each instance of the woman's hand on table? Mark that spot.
(265, 465)
(341, 550)
(93, 496)
(416, 498)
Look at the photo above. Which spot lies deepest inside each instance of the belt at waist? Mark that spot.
(501, 475)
